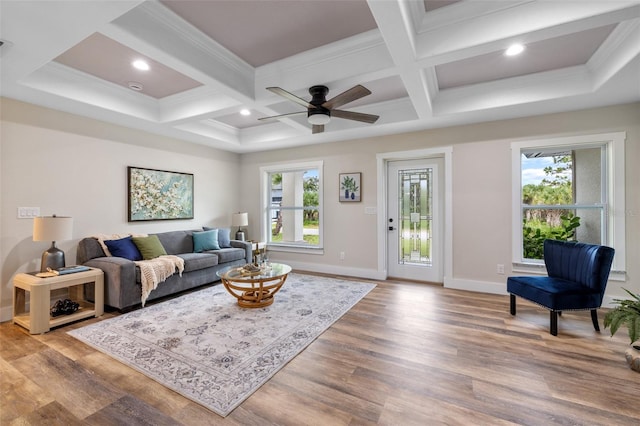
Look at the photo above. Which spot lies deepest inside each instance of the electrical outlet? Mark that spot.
(500, 269)
(342, 256)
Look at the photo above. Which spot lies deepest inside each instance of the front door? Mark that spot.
(414, 220)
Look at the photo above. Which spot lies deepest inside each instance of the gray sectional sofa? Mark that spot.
(122, 276)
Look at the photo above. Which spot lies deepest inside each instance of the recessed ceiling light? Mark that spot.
(514, 49)
(141, 65)
(245, 112)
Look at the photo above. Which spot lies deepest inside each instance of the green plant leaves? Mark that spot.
(627, 313)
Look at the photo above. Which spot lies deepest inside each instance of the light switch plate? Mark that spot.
(28, 212)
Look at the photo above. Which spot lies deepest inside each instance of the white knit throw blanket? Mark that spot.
(154, 271)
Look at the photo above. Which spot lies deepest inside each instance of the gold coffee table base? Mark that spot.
(254, 291)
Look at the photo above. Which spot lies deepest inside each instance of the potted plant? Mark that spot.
(349, 186)
(627, 313)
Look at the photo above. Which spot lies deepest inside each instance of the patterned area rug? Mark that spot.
(205, 347)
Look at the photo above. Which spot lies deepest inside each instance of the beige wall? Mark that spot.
(481, 185)
(74, 166)
(70, 165)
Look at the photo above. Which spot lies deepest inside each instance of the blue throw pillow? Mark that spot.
(224, 236)
(124, 247)
(205, 240)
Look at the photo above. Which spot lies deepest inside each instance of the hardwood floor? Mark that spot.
(407, 354)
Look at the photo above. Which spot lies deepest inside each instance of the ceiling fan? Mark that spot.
(320, 110)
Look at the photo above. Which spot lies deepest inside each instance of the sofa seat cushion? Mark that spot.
(229, 254)
(196, 261)
(552, 292)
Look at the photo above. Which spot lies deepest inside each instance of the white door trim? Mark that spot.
(381, 165)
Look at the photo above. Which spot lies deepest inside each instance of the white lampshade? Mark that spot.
(240, 219)
(52, 228)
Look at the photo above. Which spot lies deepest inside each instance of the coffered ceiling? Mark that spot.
(427, 63)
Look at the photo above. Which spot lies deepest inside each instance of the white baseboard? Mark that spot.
(370, 274)
(6, 313)
(477, 286)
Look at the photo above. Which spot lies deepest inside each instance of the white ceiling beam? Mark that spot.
(358, 58)
(66, 82)
(622, 47)
(533, 88)
(396, 27)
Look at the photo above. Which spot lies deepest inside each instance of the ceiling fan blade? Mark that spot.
(317, 128)
(357, 116)
(356, 92)
(273, 117)
(290, 96)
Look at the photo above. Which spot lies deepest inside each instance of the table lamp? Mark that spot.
(240, 219)
(52, 228)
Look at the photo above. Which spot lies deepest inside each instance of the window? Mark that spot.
(568, 189)
(292, 206)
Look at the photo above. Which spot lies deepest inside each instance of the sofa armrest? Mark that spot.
(119, 280)
(246, 245)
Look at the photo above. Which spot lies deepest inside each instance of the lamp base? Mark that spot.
(52, 258)
(240, 236)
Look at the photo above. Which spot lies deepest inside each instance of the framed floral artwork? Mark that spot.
(159, 195)
(350, 187)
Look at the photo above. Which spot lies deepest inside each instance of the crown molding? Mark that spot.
(69, 83)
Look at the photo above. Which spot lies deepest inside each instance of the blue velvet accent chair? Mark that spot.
(577, 277)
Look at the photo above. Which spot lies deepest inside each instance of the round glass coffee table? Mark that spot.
(254, 289)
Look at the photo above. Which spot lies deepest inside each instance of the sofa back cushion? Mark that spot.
(176, 242)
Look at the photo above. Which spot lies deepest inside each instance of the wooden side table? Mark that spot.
(38, 320)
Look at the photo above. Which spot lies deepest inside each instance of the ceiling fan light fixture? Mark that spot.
(318, 118)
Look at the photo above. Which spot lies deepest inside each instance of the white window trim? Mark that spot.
(614, 143)
(265, 202)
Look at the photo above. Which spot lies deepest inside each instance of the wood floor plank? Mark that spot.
(20, 395)
(130, 411)
(75, 388)
(52, 414)
(407, 354)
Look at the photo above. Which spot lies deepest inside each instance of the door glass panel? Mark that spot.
(415, 195)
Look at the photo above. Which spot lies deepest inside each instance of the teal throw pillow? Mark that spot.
(224, 236)
(150, 247)
(205, 240)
